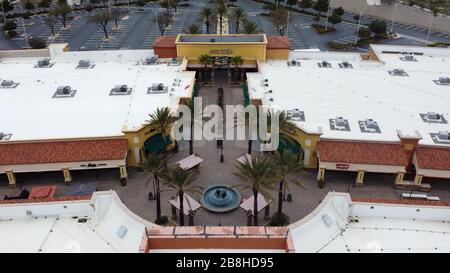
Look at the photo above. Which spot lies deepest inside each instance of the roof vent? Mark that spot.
(85, 64)
(398, 72)
(443, 81)
(369, 126)
(64, 92)
(296, 115)
(8, 84)
(157, 88)
(442, 137)
(345, 64)
(44, 63)
(120, 89)
(324, 64)
(4, 136)
(408, 58)
(339, 124)
(151, 60)
(433, 117)
(294, 63)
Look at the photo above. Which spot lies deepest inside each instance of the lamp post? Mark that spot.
(3, 9)
(429, 27)
(328, 14)
(393, 17)
(357, 27)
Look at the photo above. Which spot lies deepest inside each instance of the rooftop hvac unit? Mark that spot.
(444, 80)
(43, 62)
(157, 87)
(345, 64)
(324, 63)
(266, 80)
(370, 123)
(151, 60)
(120, 88)
(63, 90)
(409, 58)
(340, 121)
(84, 63)
(398, 71)
(433, 115)
(444, 135)
(7, 83)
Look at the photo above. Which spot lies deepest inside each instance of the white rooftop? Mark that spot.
(34, 114)
(340, 225)
(366, 91)
(58, 226)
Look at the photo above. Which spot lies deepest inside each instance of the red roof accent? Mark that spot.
(165, 41)
(362, 153)
(62, 151)
(401, 202)
(437, 158)
(44, 200)
(278, 42)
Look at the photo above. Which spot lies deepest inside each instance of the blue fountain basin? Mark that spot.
(220, 198)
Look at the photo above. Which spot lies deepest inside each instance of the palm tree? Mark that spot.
(206, 17)
(238, 15)
(221, 11)
(257, 175)
(206, 60)
(249, 27)
(192, 107)
(287, 164)
(156, 164)
(180, 181)
(162, 119)
(193, 29)
(237, 61)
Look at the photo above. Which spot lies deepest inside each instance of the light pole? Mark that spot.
(328, 14)
(3, 9)
(429, 28)
(357, 27)
(287, 25)
(393, 17)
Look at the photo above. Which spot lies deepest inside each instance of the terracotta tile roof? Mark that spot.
(278, 42)
(62, 151)
(401, 202)
(165, 41)
(436, 158)
(44, 200)
(362, 152)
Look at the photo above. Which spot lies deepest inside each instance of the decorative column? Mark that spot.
(11, 179)
(123, 175)
(67, 176)
(360, 178)
(399, 177)
(418, 179)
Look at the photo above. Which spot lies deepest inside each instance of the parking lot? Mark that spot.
(138, 30)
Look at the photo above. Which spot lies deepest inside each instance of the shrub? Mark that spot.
(316, 18)
(162, 221)
(11, 33)
(141, 3)
(339, 46)
(363, 33)
(37, 43)
(274, 220)
(9, 25)
(321, 29)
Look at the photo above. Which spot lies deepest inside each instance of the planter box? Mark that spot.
(321, 29)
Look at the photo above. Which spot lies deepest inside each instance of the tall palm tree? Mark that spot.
(162, 119)
(206, 60)
(193, 109)
(249, 27)
(221, 12)
(258, 175)
(237, 61)
(156, 164)
(193, 29)
(287, 164)
(238, 15)
(180, 181)
(207, 16)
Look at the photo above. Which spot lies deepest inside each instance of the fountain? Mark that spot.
(220, 198)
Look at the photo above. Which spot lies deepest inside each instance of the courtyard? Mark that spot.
(213, 172)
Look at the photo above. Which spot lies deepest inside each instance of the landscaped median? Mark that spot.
(321, 29)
